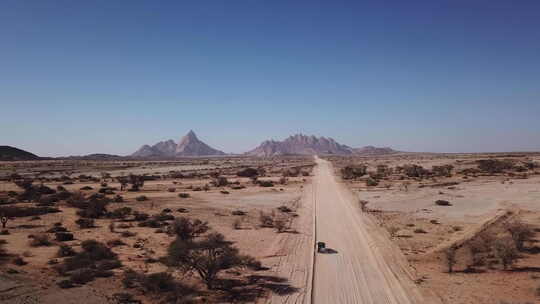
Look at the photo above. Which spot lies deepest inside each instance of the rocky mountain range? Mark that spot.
(311, 145)
(189, 145)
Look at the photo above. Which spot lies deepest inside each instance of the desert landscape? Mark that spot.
(269, 152)
(397, 227)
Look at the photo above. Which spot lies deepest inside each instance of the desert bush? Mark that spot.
(186, 229)
(443, 203)
(65, 284)
(15, 211)
(238, 212)
(237, 224)
(19, 261)
(290, 172)
(65, 251)
(520, 233)
(86, 188)
(183, 195)
(108, 264)
(127, 234)
(140, 216)
(121, 213)
(506, 251)
(93, 252)
(136, 181)
(93, 206)
(158, 282)
(130, 278)
(450, 258)
(224, 192)
(352, 172)
(220, 181)
(363, 205)
(442, 171)
(118, 198)
(413, 170)
(85, 223)
(393, 230)
(141, 198)
(283, 180)
(419, 230)
(40, 239)
(281, 224)
(64, 236)
(248, 172)
(284, 209)
(371, 182)
(266, 183)
(494, 165)
(115, 243)
(125, 298)
(206, 257)
(266, 220)
(82, 276)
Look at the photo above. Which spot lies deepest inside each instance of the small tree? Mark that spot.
(520, 233)
(207, 257)
(506, 251)
(136, 182)
(450, 258)
(186, 229)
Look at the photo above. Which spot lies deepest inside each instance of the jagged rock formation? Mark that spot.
(300, 144)
(311, 145)
(189, 145)
(8, 153)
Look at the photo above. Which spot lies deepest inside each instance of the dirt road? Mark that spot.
(362, 265)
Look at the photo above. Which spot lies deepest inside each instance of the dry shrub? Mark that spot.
(266, 220)
(186, 229)
(41, 239)
(506, 251)
(442, 203)
(520, 233)
(450, 258)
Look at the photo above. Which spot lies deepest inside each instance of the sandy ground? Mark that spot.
(423, 230)
(282, 254)
(354, 270)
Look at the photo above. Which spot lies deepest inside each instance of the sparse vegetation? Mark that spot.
(450, 258)
(206, 257)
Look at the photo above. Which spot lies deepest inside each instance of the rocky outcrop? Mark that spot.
(189, 145)
(302, 145)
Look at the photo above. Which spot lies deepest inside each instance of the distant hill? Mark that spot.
(300, 144)
(8, 153)
(95, 156)
(189, 145)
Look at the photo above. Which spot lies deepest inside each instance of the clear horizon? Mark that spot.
(107, 77)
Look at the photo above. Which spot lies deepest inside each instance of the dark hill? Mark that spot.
(8, 153)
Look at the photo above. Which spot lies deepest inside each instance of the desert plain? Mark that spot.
(398, 228)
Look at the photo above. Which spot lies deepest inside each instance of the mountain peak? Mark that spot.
(189, 145)
(301, 144)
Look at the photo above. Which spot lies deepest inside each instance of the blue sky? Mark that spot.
(79, 77)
